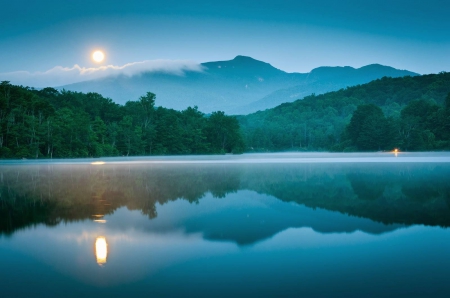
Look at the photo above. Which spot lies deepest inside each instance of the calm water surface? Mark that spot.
(256, 225)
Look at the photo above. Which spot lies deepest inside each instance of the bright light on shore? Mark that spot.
(396, 152)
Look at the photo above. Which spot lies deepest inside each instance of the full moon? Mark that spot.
(98, 56)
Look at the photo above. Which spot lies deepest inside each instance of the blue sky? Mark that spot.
(295, 36)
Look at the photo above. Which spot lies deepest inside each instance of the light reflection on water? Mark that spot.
(101, 250)
(227, 229)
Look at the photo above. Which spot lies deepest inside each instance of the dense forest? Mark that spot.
(409, 113)
(49, 123)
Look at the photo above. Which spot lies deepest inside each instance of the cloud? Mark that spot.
(59, 76)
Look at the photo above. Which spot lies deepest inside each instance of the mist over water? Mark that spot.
(290, 224)
(262, 158)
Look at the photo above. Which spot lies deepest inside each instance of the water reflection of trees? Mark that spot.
(51, 194)
(397, 193)
(367, 187)
(388, 193)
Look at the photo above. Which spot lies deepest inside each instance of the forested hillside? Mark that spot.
(411, 113)
(57, 124)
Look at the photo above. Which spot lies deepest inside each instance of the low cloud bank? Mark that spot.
(59, 76)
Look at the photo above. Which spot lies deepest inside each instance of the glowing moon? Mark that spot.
(98, 56)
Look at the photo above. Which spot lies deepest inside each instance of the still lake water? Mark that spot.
(254, 225)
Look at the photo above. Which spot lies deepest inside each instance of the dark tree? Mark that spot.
(223, 133)
(367, 128)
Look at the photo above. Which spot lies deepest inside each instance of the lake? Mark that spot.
(251, 225)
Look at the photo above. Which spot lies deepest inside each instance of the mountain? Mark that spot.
(237, 86)
(325, 79)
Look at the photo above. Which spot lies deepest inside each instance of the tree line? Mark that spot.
(49, 123)
(422, 125)
(411, 113)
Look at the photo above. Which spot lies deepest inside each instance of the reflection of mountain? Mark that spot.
(242, 222)
(245, 217)
(388, 193)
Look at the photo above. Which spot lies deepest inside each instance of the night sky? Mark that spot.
(295, 36)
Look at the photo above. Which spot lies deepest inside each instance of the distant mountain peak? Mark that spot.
(246, 59)
(376, 66)
(243, 63)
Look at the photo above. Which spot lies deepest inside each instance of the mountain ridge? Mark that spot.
(314, 83)
(238, 86)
